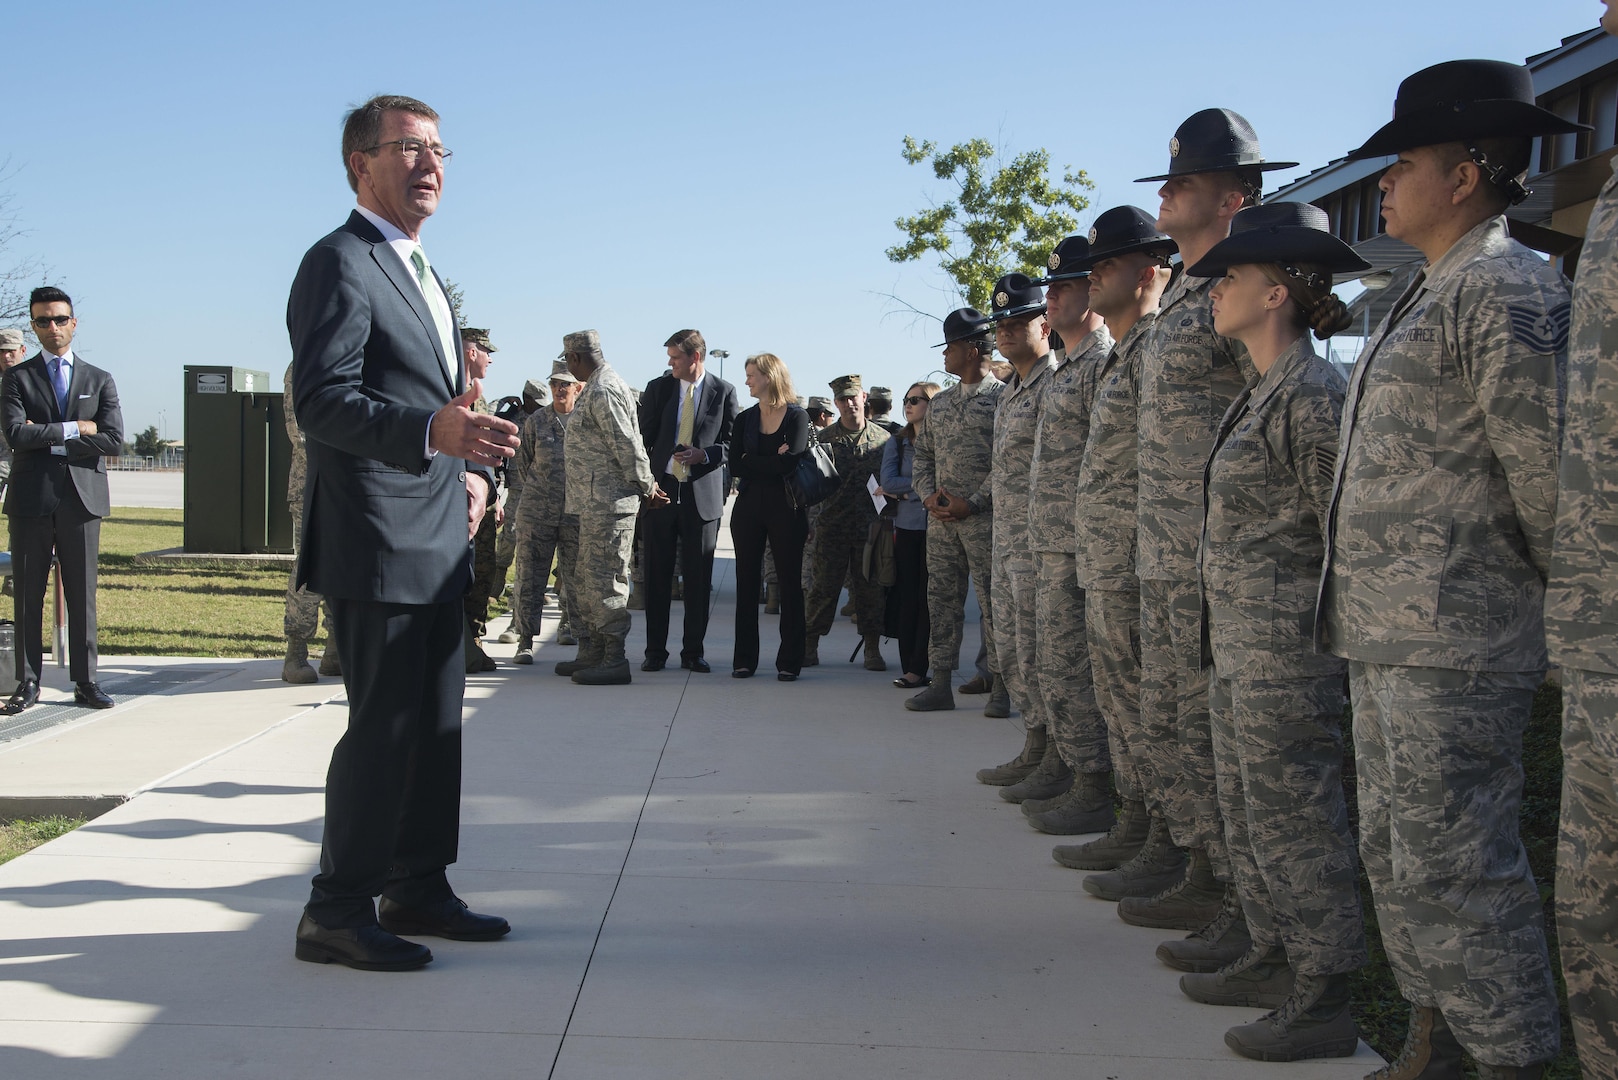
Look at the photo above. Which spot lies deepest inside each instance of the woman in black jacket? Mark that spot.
(766, 443)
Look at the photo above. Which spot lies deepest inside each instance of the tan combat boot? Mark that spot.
(1261, 979)
(1052, 778)
(873, 653)
(999, 704)
(1033, 751)
(590, 650)
(1313, 1022)
(295, 668)
(1157, 865)
(1191, 902)
(1122, 842)
(1431, 1051)
(613, 670)
(1222, 941)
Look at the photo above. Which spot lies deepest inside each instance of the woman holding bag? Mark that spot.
(766, 443)
(908, 599)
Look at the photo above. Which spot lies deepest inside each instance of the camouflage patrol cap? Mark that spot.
(473, 336)
(535, 390)
(880, 394)
(820, 404)
(10, 338)
(846, 386)
(587, 342)
(560, 373)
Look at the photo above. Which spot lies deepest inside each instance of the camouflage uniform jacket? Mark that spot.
(538, 471)
(1059, 437)
(1107, 488)
(1268, 489)
(299, 470)
(1581, 603)
(1015, 422)
(515, 474)
(1445, 499)
(955, 443)
(857, 455)
(606, 466)
(1189, 375)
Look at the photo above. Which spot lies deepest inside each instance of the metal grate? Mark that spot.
(41, 717)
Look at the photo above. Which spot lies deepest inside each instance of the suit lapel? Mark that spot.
(405, 282)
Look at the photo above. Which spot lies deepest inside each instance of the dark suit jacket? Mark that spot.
(660, 424)
(382, 521)
(40, 480)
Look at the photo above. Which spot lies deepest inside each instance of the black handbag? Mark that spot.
(814, 478)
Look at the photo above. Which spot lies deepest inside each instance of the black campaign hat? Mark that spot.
(1124, 229)
(1461, 100)
(1289, 233)
(1017, 294)
(1068, 260)
(1215, 140)
(964, 324)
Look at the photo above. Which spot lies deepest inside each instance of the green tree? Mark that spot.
(1004, 217)
(457, 301)
(149, 444)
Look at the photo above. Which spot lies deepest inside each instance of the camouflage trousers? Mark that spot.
(601, 574)
(539, 544)
(505, 555)
(1278, 750)
(1012, 594)
(1587, 866)
(1178, 765)
(1062, 664)
(1112, 634)
(957, 551)
(301, 621)
(477, 597)
(1439, 757)
(837, 556)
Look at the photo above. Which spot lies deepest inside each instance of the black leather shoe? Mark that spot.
(27, 694)
(652, 664)
(368, 948)
(89, 695)
(741, 673)
(697, 664)
(786, 676)
(448, 919)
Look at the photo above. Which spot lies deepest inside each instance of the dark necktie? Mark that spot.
(59, 381)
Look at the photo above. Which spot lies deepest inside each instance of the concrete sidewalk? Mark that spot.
(708, 878)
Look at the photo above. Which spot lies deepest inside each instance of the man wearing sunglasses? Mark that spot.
(61, 417)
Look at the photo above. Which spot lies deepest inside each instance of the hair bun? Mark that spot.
(1329, 316)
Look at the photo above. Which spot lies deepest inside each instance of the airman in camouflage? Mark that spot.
(301, 620)
(533, 399)
(479, 357)
(1061, 652)
(608, 478)
(1128, 265)
(844, 523)
(1276, 704)
(1439, 540)
(1189, 375)
(1581, 625)
(950, 475)
(545, 532)
(1022, 336)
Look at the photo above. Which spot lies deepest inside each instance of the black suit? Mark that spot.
(56, 502)
(385, 538)
(692, 516)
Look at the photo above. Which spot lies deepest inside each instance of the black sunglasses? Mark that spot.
(915, 400)
(42, 321)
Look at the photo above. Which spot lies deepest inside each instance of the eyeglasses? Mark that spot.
(411, 148)
(916, 400)
(42, 321)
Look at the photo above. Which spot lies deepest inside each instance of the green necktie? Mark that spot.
(435, 304)
(688, 428)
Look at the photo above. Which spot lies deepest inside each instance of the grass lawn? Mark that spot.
(17, 837)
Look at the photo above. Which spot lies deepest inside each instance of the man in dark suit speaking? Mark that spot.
(399, 478)
(61, 418)
(685, 421)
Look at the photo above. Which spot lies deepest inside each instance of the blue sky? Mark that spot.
(636, 168)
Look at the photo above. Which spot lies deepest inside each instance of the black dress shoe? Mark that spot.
(650, 664)
(449, 919)
(27, 694)
(786, 676)
(741, 673)
(696, 664)
(89, 695)
(368, 948)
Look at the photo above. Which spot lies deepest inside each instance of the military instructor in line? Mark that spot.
(399, 477)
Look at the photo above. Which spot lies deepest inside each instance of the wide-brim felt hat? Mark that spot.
(1283, 232)
(1067, 262)
(1215, 140)
(1122, 230)
(1017, 294)
(964, 324)
(1462, 100)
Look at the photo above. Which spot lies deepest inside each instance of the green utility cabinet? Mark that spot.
(237, 456)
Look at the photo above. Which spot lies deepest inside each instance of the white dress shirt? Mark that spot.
(695, 386)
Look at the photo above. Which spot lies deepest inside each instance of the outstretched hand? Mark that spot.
(477, 437)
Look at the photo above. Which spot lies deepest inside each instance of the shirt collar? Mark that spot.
(390, 232)
(1488, 231)
(50, 356)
